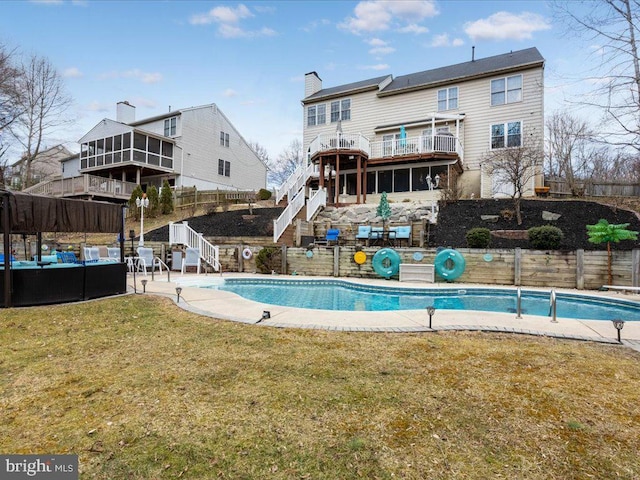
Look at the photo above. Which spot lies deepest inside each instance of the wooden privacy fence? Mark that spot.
(578, 269)
(192, 198)
(592, 188)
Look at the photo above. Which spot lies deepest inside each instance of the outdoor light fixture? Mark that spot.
(178, 291)
(431, 310)
(265, 315)
(144, 285)
(619, 324)
(142, 203)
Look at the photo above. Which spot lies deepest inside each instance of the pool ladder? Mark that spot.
(552, 306)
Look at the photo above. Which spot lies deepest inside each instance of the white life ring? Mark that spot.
(247, 253)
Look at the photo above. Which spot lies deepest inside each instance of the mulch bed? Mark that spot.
(454, 220)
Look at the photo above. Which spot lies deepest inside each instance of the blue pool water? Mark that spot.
(340, 295)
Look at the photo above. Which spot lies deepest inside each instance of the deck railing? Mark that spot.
(416, 145)
(183, 234)
(339, 141)
(83, 185)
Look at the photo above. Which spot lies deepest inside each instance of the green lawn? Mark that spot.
(140, 389)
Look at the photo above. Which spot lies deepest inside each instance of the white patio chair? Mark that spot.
(191, 259)
(91, 254)
(114, 254)
(146, 260)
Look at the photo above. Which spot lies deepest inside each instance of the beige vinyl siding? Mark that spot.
(369, 111)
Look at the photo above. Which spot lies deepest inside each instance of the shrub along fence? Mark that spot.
(579, 269)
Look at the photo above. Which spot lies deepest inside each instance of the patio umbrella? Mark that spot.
(403, 136)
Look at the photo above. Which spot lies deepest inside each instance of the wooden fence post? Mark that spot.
(580, 269)
(517, 266)
(336, 261)
(284, 260)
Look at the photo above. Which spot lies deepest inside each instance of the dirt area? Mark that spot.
(454, 221)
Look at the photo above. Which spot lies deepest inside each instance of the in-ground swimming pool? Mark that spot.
(347, 296)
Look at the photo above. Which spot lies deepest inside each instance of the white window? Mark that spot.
(447, 99)
(224, 168)
(506, 90)
(224, 139)
(311, 116)
(316, 115)
(170, 126)
(506, 135)
(341, 110)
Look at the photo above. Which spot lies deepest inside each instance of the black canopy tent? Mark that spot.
(23, 213)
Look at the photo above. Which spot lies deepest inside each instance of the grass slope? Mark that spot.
(141, 389)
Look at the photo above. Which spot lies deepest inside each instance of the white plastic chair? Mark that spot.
(114, 254)
(191, 259)
(147, 260)
(91, 254)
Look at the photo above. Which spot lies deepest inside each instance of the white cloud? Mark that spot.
(315, 24)
(382, 50)
(230, 92)
(444, 41)
(72, 72)
(372, 16)
(506, 26)
(222, 15)
(228, 20)
(376, 42)
(380, 47)
(379, 66)
(413, 28)
(144, 77)
(99, 107)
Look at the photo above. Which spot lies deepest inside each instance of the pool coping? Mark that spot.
(228, 306)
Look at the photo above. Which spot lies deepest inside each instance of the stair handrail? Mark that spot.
(316, 200)
(287, 215)
(183, 234)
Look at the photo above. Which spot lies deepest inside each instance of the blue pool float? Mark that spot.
(440, 264)
(386, 262)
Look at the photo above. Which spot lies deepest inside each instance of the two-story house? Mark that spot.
(411, 135)
(45, 166)
(189, 147)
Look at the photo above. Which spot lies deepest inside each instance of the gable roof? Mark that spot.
(483, 67)
(361, 86)
(529, 57)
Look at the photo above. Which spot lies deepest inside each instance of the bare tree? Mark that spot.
(43, 101)
(10, 107)
(286, 163)
(614, 24)
(569, 150)
(513, 170)
(260, 151)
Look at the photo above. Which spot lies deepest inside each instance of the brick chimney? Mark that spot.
(125, 112)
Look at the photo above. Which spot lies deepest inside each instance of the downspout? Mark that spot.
(6, 230)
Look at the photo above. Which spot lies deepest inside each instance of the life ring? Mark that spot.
(360, 257)
(441, 264)
(386, 262)
(247, 253)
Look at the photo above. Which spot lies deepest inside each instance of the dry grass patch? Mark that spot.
(141, 389)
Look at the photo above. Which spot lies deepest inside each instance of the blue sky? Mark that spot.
(250, 57)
